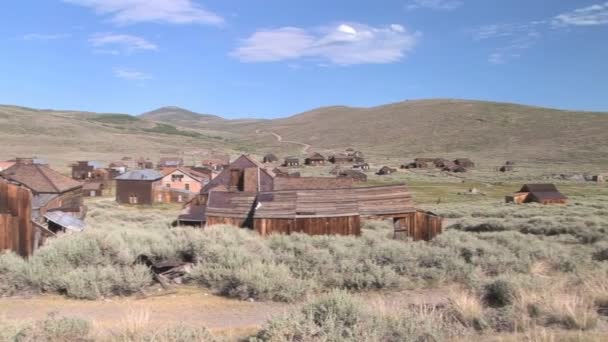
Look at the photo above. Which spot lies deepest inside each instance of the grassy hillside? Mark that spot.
(391, 134)
(63, 137)
(453, 127)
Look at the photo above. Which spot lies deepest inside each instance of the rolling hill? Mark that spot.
(440, 127)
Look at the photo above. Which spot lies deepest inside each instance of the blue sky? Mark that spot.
(273, 58)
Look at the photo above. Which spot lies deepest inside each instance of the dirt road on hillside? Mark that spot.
(305, 147)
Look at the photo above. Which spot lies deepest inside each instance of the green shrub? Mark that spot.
(55, 329)
(499, 293)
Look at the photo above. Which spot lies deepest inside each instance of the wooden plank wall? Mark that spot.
(344, 225)
(418, 226)
(16, 229)
(234, 221)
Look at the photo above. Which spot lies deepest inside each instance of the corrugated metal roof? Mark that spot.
(143, 175)
(66, 220)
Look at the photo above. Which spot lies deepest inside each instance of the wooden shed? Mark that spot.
(315, 159)
(92, 189)
(539, 193)
(291, 161)
(386, 170)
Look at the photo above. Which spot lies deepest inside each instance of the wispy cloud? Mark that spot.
(586, 16)
(131, 74)
(45, 36)
(443, 5)
(514, 38)
(340, 44)
(112, 43)
(166, 11)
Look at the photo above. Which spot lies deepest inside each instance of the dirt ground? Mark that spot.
(190, 306)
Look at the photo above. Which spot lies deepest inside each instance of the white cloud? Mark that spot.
(131, 74)
(445, 5)
(115, 44)
(138, 11)
(342, 44)
(45, 36)
(586, 16)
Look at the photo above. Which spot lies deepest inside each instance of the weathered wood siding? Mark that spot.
(418, 226)
(141, 188)
(16, 230)
(233, 221)
(343, 225)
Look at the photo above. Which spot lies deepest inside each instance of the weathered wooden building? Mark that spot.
(270, 158)
(92, 189)
(386, 170)
(144, 163)
(51, 190)
(291, 161)
(17, 231)
(315, 159)
(355, 175)
(85, 170)
(244, 174)
(170, 162)
(361, 166)
(137, 186)
(284, 173)
(539, 193)
(117, 168)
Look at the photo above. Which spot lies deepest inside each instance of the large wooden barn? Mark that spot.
(249, 196)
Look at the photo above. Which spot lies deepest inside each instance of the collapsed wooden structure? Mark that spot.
(247, 195)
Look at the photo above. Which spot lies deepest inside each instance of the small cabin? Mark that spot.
(144, 164)
(92, 189)
(386, 170)
(270, 158)
(291, 162)
(539, 193)
(361, 167)
(170, 162)
(316, 159)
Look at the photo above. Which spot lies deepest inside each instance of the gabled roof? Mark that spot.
(230, 204)
(539, 188)
(198, 176)
(307, 203)
(141, 175)
(6, 164)
(316, 156)
(40, 178)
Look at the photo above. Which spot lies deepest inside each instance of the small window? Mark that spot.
(168, 185)
(187, 187)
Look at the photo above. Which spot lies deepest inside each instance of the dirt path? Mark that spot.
(305, 147)
(191, 306)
